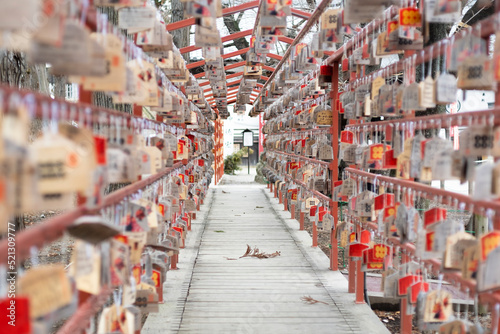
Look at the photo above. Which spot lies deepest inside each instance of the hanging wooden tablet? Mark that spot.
(137, 19)
(476, 73)
(47, 287)
(411, 98)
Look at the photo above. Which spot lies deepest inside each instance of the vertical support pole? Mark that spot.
(293, 211)
(406, 320)
(334, 250)
(352, 275)
(285, 202)
(301, 221)
(280, 197)
(173, 262)
(221, 154)
(360, 282)
(216, 151)
(315, 234)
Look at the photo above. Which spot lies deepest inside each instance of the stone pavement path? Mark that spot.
(251, 295)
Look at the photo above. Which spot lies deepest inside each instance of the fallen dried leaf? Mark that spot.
(256, 253)
(309, 300)
(249, 250)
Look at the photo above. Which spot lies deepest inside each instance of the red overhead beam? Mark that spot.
(225, 12)
(301, 13)
(227, 38)
(269, 68)
(205, 83)
(228, 55)
(234, 75)
(274, 56)
(234, 83)
(181, 24)
(285, 39)
(235, 65)
(240, 8)
(234, 94)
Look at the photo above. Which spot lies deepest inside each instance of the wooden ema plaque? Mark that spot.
(324, 117)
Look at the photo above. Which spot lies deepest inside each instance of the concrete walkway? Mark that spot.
(211, 294)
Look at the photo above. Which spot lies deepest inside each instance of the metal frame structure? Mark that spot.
(356, 281)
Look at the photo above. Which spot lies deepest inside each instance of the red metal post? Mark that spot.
(293, 211)
(406, 320)
(352, 275)
(301, 221)
(315, 234)
(173, 262)
(360, 284)
(334, 250)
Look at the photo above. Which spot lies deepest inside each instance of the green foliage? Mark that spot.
(259, 178)
(233, 161)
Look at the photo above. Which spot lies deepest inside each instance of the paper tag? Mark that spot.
(427, 93)
(136, 19)
(62, 165)
(120, 266)
(456, 245)
(116, 77)
(116, 319)
(72, 56)
(476, 72)
(86, 268)
(483, 182)
(438, 306)
(446, 88)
